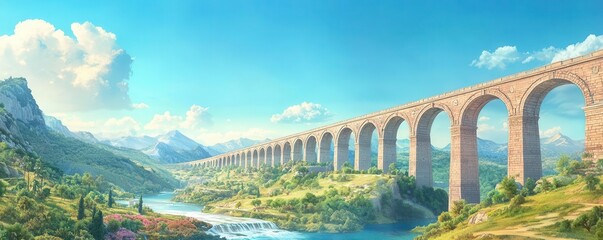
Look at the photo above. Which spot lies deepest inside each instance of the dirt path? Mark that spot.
(529, 231)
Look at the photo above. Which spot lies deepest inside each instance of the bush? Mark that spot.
(565, 226)
(591, 182)
(113, 226)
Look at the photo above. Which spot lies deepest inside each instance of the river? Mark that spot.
(256, 229)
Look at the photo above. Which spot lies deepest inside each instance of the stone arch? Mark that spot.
(262, 160)
(298, 146)
(362, 159)
(388, 151)
(248, 159)
(238, 159)
(324, 148)
(420, 152)
(533, 96)
(269, 156)
(342, 146)
(310, 149)
(526, 161)
(473, 106)
(278, 154)
(286, 152)
(255, 160)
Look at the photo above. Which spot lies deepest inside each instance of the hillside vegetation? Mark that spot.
(297, 197)
(564, 206)
(41, 203)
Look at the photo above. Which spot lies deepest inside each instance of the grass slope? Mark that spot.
(537, 217)
(74, 156)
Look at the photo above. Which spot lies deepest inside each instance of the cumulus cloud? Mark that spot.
(509, 54)
(140, 106)
(306, 112)
(497, 59)
(66, 74)
(550, 132)
(483, 118)
(195, 117)
(544, 55)
(590, 44)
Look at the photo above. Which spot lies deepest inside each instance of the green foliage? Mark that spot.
(2, 188)
(97, 227)
(140, 209)
(256, 202)
(507, 187)
(111, 200)
(132, 225)
(80, 209)
(589, 219)
(15, 231)
(75, 156)
(565, 225)
(591, 182)
(530, 185)
(113, 225)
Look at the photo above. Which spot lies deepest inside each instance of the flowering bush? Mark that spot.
(121, 234)
(181, 227)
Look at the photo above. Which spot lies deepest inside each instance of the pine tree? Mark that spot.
(110, 202)
(97, 227)
(140, 205)
(80, 209)
(93, 211)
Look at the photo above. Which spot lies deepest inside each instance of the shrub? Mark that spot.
(591, 182)
(565, 226)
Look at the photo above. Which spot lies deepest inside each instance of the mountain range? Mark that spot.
(23, 126)
(171, 147)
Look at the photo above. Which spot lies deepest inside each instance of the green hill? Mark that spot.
(561, 207)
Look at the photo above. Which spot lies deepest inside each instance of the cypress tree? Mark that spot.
(97, 227)
(140, 205)
(93, 211)
(80, 209)
(110, 203)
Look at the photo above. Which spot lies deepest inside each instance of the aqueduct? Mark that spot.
(522, 94)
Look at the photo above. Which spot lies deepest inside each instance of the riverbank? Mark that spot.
(256, 229)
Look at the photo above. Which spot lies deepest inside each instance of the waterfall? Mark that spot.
(242, 227)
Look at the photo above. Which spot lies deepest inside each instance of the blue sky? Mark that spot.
(218, 70)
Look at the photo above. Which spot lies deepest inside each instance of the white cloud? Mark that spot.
(305, 112)
(140, 106)
(483, 118)
(546, 54)
(590, 44)
(550, 132)
(68, 74)
(194, 118)
(553, 54)
(497, 59)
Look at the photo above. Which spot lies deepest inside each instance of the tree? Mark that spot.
(140, 205)
(530, 185)
(88, 180)
(110, 202)
(2, 188)
(238, 205)
(80, 209)
(507, 187)
(16, 231)
(392, 169)
(256, 202)
(97, 227)
(591, 182)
